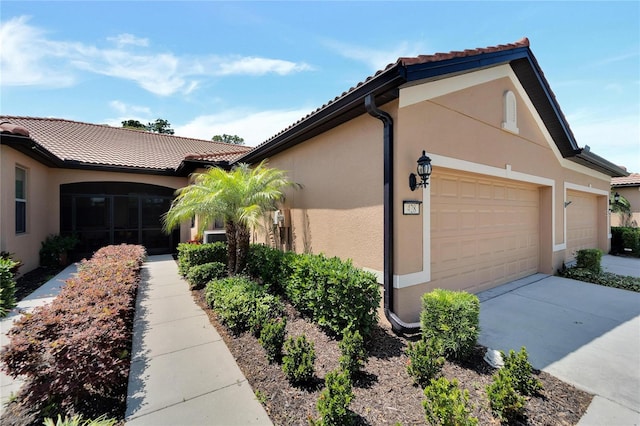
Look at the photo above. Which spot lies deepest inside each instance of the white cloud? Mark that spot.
(254, 127)
(129, 39)
(23, 56)
(29, 58)
(258, 66)
(375, 58)
(126, 109)
(615, 138)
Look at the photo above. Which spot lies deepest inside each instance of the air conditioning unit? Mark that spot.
(214, 236)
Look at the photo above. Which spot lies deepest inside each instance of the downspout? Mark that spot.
(397, 325)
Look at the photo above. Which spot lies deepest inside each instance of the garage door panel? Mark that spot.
(485, 234)
(582, 222)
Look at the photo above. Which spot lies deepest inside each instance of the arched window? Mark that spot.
(510, 122)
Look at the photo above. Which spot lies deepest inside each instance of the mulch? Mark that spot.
(384, 392)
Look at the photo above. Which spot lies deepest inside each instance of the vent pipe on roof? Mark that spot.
(397, 324)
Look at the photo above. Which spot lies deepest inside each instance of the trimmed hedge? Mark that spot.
(200, 275)
(453, 318)
(190, 255)
(334, 293)
(77, 348)
(241, 303)
(589, 259)
(625, 240)
(7, 286)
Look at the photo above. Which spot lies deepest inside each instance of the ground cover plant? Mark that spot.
(75, 352)
(588, 269)
(383, 391)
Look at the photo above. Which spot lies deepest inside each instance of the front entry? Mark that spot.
(103, 213)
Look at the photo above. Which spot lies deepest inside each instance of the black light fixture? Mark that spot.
(616, 198)
(424, 171)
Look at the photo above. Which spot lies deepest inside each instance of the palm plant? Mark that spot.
(621, 206)
(239, 197)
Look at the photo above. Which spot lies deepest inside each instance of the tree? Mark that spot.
(133, 124)
(239, 197)
(232, 139)
(160, 126)
(623, 207)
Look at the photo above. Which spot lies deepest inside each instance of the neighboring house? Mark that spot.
(511, 193)
(629, 188)
(107, 185)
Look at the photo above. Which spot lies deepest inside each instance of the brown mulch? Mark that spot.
(384, 392)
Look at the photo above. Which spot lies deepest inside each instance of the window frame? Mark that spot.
(21, 214)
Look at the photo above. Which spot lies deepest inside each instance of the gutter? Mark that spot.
(397, 325)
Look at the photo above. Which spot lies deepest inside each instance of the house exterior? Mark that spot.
(629, 188)
(511, 193)
(104, 184)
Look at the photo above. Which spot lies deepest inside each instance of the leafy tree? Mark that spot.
(239, 197)
(133, 124)
(232, 139)
(160, 126)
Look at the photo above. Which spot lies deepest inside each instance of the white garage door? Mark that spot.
(484, 231)
(582, 222)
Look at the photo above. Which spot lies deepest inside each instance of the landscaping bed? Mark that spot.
(384, 392)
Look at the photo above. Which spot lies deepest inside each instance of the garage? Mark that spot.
(484, 230)
(582, 222)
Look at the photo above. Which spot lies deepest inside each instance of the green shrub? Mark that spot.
(518, 367)
(334, 293)
(234, 300)
(267, 307)
(267, 264)
(297, 362)
(607, 279)
(453, 318)
(589, 259)
(7, 286)
(53, 248)
(272, 338)
(425, 360)
(625, 240)
(200, 275)
(506, 403)
(333, 403)
(445, 404)
(190, 255)
(353, 353)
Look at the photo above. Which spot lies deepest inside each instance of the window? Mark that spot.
(21, 200)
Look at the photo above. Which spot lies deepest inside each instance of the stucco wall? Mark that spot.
(338, 210)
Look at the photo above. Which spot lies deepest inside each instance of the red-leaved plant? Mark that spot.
(77, 347)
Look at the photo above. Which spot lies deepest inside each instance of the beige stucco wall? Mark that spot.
(466, 125)
(43, 201)
(338, 210)
(632, 194)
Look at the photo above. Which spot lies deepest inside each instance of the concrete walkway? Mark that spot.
(181, 371)
(584, 334)
(43, 295)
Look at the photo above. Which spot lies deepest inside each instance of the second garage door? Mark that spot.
(484, 231)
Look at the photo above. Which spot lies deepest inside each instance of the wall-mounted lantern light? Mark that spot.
(616, 198)
(424, 171)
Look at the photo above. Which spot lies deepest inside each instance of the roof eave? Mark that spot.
(595, 162)
(30, 148)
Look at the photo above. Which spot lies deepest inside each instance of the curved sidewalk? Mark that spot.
(181, 370)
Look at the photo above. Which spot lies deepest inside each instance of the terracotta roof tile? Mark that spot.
(115, 146)
(524, 42)
(220, 156)
(632, 180)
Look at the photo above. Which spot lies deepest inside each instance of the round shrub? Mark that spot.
(200, 275)
(445, 404)
(272, 338)
(353, 353)
(425, 360)
(333, 403)
(297, 362)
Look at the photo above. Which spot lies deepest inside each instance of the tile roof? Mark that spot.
(632, 180)
(405, 61)
(95, 144)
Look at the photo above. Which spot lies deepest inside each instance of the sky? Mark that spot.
(254, 68)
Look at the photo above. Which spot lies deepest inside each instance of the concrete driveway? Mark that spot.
(584, 334)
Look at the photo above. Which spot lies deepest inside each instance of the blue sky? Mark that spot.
(254, 68)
